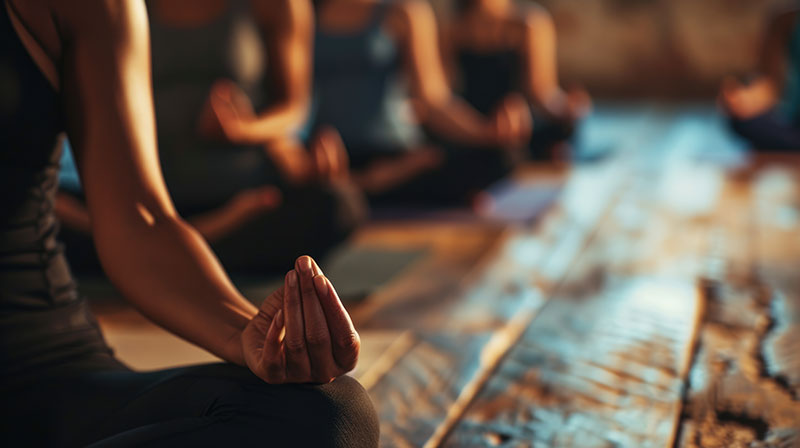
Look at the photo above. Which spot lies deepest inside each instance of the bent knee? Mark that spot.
(348, 207)
(347, 413)
(338, 414)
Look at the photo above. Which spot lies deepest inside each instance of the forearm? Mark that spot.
(166, 270)
(275, 122)
(72, 213)
(457, 120)
(219, 222)
(552, 102)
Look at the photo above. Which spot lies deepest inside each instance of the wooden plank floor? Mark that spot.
(656, 304)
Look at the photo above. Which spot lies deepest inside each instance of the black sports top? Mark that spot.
(489, 76)
(43, 321)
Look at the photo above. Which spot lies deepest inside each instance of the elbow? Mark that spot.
(156, 215)
(121, 231)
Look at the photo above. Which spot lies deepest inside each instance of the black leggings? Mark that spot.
(205, 405)
(770, 131)
(463, 172)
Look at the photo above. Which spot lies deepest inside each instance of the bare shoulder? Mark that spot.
(410, 11)
(114, 18)
(407, 16)
(531, 16)
(282, 13)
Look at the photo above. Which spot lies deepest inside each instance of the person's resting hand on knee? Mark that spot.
(512, 122)
(744, 101)
(302, 332)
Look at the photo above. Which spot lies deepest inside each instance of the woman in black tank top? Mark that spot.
(498, 48)
(82, 67)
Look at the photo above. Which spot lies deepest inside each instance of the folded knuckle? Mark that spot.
(295, 345)
(349, 341)
(317, 339)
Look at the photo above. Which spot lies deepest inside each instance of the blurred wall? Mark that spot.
(659, 48)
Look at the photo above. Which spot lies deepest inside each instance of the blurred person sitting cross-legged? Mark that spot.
(83, 68)
(228, 133)
(766, 110)
(497, 48)
(378, 79)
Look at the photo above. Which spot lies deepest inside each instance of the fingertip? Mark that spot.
(291, 278)
(303, 264)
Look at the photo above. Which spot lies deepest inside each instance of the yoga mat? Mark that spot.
(506, 202)
(356, 272)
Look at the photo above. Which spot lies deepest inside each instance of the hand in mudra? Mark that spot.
(227, 114)
(512, 122)
(744, 101)
(302, 333)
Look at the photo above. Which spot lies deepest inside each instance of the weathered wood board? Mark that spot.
(604, 370)
(744, 389)
(461, 341)
(656, 304)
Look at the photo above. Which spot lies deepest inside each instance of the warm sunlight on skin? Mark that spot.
(530, 31)
(413, 25)
(747, 100)
(145, 214)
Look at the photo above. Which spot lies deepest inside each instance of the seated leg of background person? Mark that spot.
(310, 219)
(769, 131)
(251, 226)
(97, 401)
(547, 134)
(452, 176)
(313, 219)
(324, 160)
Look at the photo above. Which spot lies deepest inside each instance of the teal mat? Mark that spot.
(355, 272)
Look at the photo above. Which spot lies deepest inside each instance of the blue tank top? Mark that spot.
(358, 88)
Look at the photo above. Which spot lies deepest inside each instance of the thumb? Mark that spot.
(272, 304)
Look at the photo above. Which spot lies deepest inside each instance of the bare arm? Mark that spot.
(448, 52)
(772, 61)
(288, 28)
(414, 24)
(761, 94)
(232, 215)
(541, 64)
(161, 264)
(72, 213)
